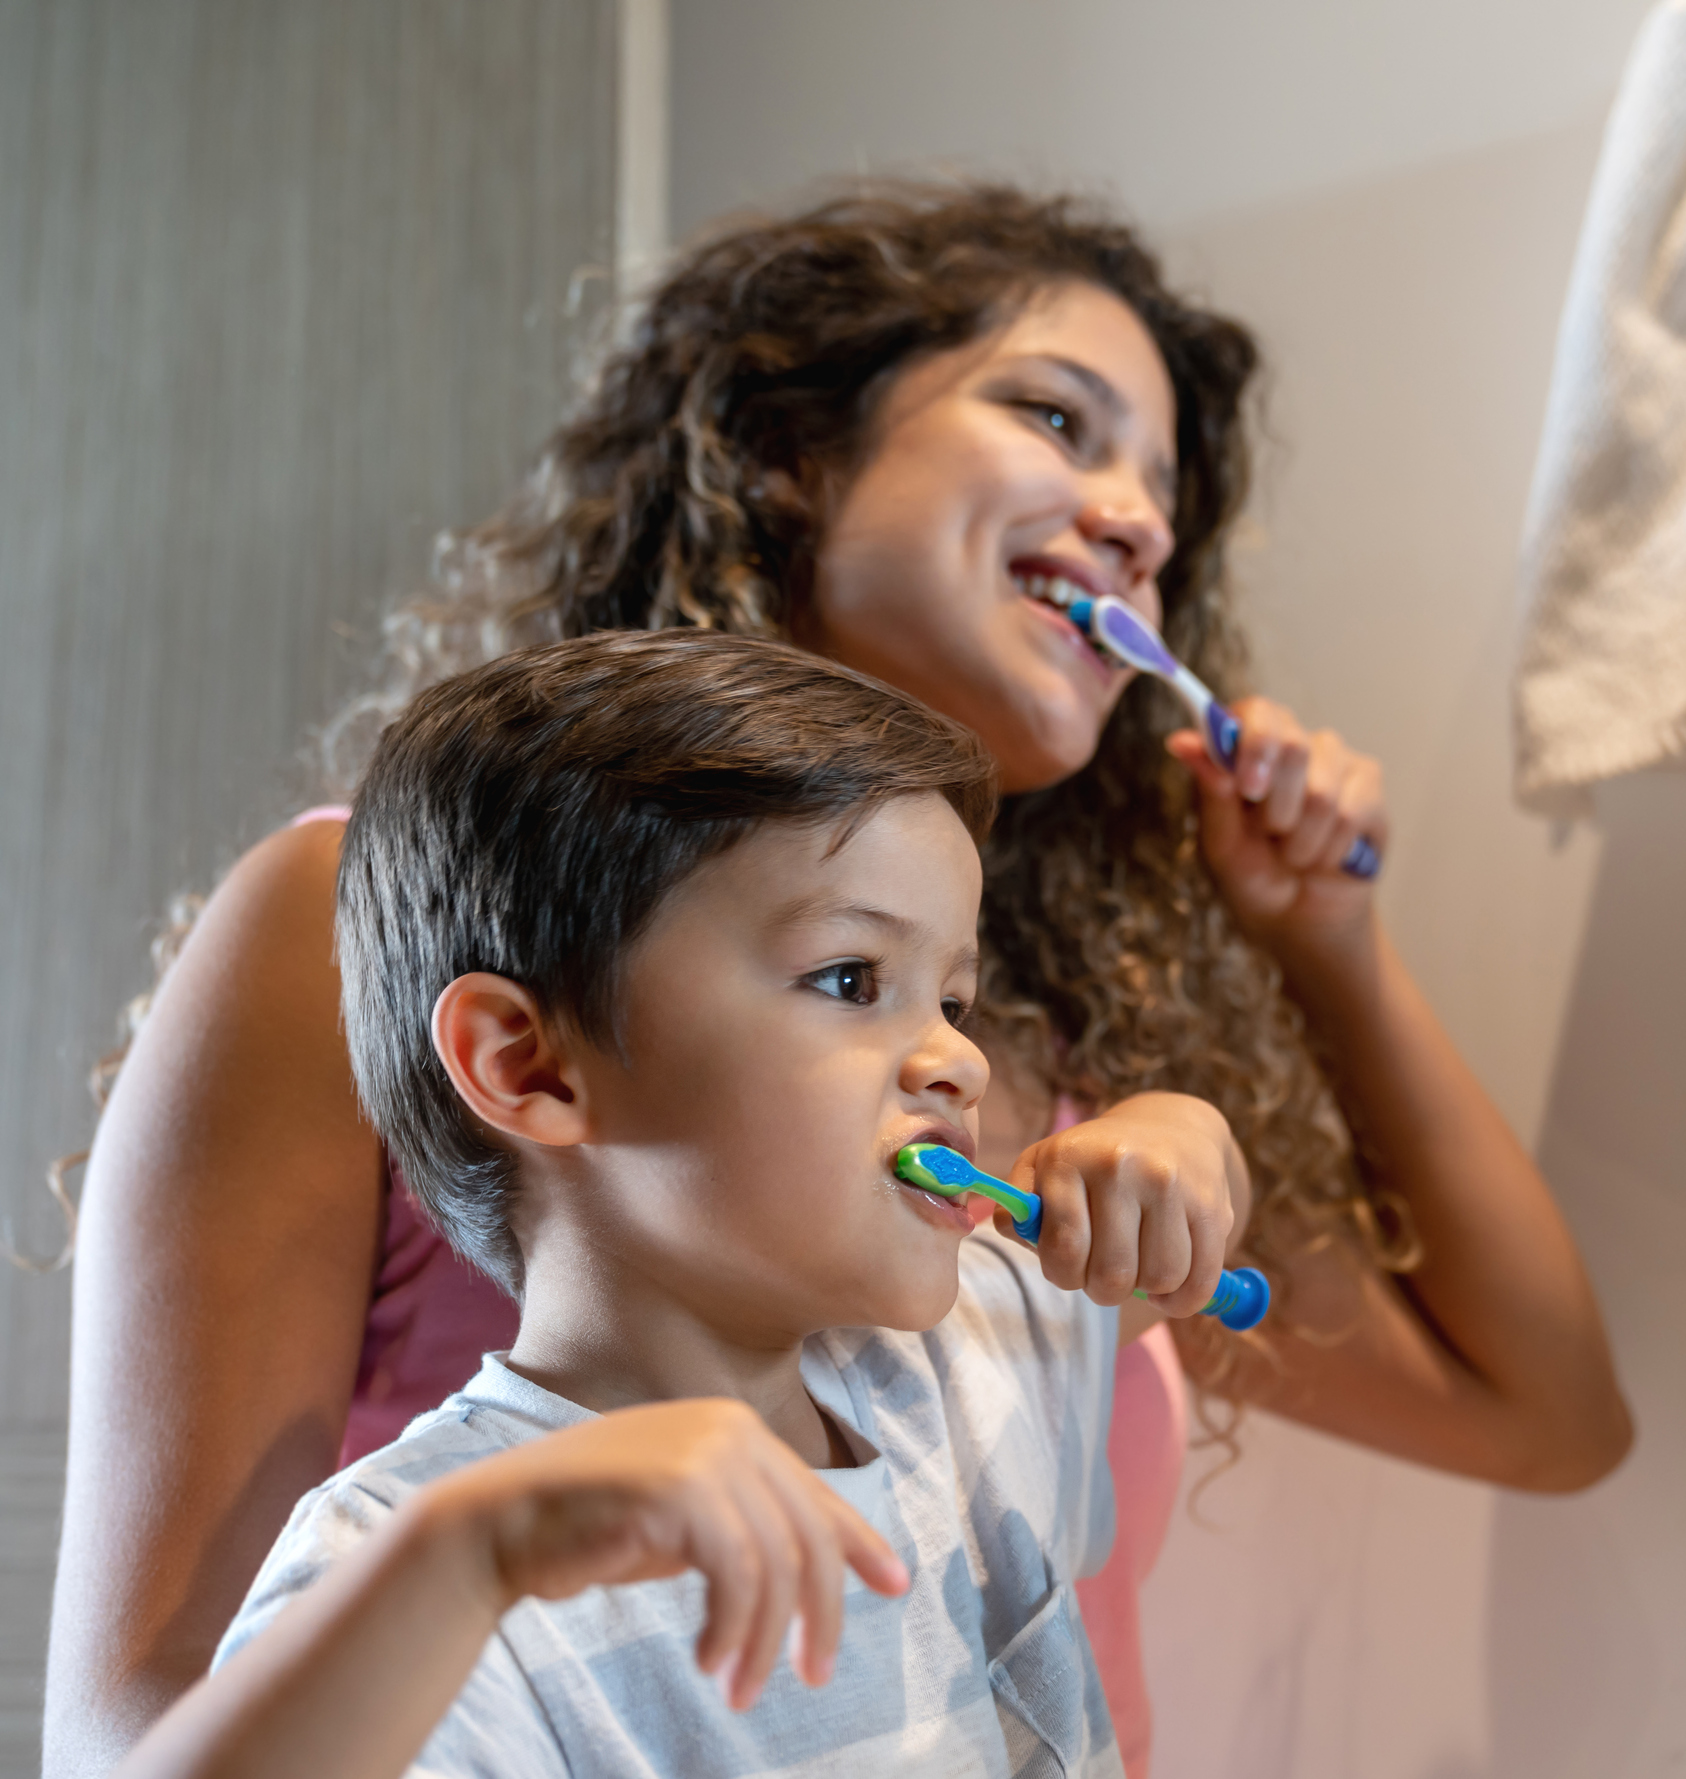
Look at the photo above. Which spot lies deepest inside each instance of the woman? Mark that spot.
(888, 429)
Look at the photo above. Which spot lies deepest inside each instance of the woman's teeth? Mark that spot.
(1053, 590)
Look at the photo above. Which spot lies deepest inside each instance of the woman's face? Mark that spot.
(1046, 450)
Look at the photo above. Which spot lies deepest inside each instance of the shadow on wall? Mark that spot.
(1587, 1600)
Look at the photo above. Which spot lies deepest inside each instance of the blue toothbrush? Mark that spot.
(1117, 630)
(1242, 1296)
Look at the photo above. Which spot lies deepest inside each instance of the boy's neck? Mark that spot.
(607, 1337)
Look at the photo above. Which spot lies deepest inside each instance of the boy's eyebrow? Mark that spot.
(817, 907)
(813, 908)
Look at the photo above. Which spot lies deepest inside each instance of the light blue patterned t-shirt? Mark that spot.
(982, 1449)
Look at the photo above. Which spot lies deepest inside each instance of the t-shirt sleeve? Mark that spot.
(326, 1524)
(495, 1726)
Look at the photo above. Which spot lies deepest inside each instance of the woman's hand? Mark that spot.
(649, 1492)
(1144, 1197)
(1275, 831)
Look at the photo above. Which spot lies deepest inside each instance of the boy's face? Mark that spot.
(790, 1021)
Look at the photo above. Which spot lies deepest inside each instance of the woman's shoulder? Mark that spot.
(287, 877)
(255, 976)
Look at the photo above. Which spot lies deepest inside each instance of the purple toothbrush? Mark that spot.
(1115, 628)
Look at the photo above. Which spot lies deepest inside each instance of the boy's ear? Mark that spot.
(507, 1062)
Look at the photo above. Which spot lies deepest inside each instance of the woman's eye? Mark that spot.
(1065, 422)
(853, 982)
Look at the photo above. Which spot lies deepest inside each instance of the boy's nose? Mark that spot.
(947, 1063)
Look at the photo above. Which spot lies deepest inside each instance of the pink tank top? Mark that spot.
(432, 1315)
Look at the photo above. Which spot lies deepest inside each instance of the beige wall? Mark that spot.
(283, 289)
(1391, 196)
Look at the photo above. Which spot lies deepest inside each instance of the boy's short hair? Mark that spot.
(529, 818)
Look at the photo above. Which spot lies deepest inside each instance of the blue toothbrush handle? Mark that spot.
(1241, 1299)
(1224, 733)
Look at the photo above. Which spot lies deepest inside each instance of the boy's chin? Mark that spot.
(918, 1305)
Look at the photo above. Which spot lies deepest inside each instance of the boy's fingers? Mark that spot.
(1205, 1262)
(1114, 1248)
(781, 1570)
(819, 1590)
(868, 1552)
(727, 1552)
(1166, 1253)
(1063, 1245)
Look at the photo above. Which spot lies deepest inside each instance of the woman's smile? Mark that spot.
(1037, 460)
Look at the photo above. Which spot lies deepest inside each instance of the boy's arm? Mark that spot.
(352, 1677)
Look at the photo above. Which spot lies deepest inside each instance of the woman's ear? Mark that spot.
(507, 1062)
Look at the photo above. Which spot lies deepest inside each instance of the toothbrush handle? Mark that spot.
(1241, 1299)
(1223, 742)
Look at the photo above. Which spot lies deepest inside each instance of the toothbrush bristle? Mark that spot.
(936, 1168)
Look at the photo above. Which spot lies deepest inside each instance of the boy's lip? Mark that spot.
(949, 1136)
(944, 1213)
(951, 1214)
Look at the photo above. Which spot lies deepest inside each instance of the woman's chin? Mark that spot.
(1036, 760)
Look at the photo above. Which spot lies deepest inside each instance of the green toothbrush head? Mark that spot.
(948, 1173)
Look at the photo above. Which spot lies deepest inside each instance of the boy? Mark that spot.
(657, 948)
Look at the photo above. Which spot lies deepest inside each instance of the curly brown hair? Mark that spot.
(693, 488)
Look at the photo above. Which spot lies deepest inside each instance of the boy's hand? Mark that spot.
(1144, 1196)
(1275, 830)
(647, 1492)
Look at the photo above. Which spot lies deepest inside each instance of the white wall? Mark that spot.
(1391, 197)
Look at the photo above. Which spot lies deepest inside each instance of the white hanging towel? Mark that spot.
(1601, 676)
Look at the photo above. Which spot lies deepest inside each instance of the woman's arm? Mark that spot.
(228, 1242)
(1490, 1359)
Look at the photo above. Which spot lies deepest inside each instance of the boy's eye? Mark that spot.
(955, 1011)
(854, 982)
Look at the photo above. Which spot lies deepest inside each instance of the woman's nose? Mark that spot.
(1128, 522)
